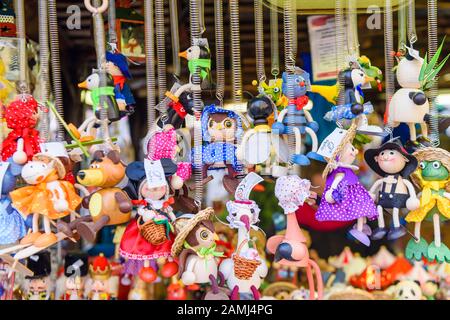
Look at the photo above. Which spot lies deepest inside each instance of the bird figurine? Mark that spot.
(102, 95)
(198, 57)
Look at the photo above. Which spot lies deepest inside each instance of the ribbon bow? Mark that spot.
(204, 252)
(101, 91)
(140, 202)
(119, 81)
(201, 64)
(169, 202)
(299, 102)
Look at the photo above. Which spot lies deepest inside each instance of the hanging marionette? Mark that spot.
(199, 58)
(433, 178)
(290, 249)
(296, 118)
(38, 286)
(100, 274)
(259, 144)
(47, 195)
(344, 198)
(221, 130)
(117, 67)
(151, 234)
(22, 142)
(396, 192)
(245, 270)
(195, 247)
(409, 104)
(75, 272)
(274, 90)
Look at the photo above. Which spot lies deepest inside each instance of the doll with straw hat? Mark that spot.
(344, 198)
(433, 178)
(195, 247)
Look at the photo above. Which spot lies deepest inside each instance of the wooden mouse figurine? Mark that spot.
(194, 245)
(395, 191)
(108, 205)
(433, 178)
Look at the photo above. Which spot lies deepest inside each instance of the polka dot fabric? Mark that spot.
(21, 117)
(356, 202)
(162, 145)
(291, 192)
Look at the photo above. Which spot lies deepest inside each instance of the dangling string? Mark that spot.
(220, 51)
(160, 48)
(433, 92)
(388, 59)
(259, 40)
(274, 45)
(174, 33)
(56, 66)
(44, 68)
(150, 63)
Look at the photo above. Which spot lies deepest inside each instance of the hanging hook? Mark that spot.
(102, 8)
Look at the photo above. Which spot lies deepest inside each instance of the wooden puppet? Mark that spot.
(295, 118)
(12, 224)
(195, 247)
(75, 272)
(409, 104)
(47, 195)
(395, 191)
(150, 235)
(273, 90)
(221, 130)
(199, 58)
(344, 197)
(22, 142)
(100, 274)
(290, 249)
(433, 179)
(38, 286)
(102, 95)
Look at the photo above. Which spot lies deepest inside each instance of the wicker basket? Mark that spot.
(243, 267)
(152, 232)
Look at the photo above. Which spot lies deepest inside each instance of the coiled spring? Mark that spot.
(44, 70)
(412, 35)
(352, 27)
(220, 51)
(259, 40)
(173, 9)
(20, 25)
(56, 65)
(160, 48)
(274, 45)
(340, 43)
(432, 48)
(402, 26)
(388, 58)
(150, 62)
(235, 46)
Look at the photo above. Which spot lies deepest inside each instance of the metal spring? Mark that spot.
(220, 51)
(388, 58)
(402, 26)
(235, 47)
(288, 17)
(352, 28)
(150, 62)
(433, 92)
(56, 65)
(173, 9)
(259, 40)
(274, 45)
(412, 35)
(196, 32)
(160, 48)
(44, 70)
(112, 35)
(340, 42)
(20, 24)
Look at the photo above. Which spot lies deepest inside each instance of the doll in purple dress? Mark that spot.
(344, 198)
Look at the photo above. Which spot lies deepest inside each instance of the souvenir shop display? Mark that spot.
(154, 156)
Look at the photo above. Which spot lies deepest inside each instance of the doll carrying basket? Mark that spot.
(152, 232)
(243, 267)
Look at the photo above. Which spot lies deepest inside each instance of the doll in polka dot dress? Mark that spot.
(22, 143)
(344, 198)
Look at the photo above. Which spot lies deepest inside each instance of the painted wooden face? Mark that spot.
(348, 155)
(155, 193)
(391, 161)
(433, 171)
(205, 237)
(222, 128)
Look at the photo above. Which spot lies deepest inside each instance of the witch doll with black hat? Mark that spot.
(150, 235)
(38, 286)
(75, 272)
(396, 192)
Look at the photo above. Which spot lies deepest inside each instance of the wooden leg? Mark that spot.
(412, 131)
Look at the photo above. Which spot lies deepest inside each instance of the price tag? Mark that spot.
(331, 142)
(3, 168)
(246, 185)
(155, 173)
(55, 149)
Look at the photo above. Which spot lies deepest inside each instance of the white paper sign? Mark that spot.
(3, 168)
(246, 185)
(330, 143)
(155, 173)
(55, 149)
